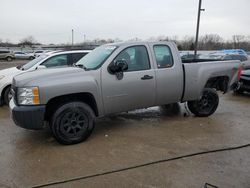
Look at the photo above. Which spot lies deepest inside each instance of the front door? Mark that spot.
(137, 87)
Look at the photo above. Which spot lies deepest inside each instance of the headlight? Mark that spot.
(1, 77)
(28, 96)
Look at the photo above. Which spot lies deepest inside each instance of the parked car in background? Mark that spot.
(188, 56)
(23, 55)
(37, 53)
(239, 57)
(244, 59)
(116, 78)
(234, 51)
(244, 83)
(54, 60)
(7, 55)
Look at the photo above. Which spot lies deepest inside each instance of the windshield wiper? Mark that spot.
(80, 66)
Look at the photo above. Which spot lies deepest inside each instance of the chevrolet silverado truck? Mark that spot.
(116, 78)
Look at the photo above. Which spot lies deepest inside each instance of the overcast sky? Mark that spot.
(51, 21)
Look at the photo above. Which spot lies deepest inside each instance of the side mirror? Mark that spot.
(41, 67)
(118, 66)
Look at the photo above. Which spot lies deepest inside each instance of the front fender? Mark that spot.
(86, 84)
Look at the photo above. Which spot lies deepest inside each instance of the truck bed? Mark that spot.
(197, 74)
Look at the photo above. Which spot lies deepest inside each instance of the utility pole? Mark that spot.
(198, 28)
(72, 37)
(84, 37)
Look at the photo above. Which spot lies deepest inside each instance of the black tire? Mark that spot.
(72, 123)
(7, 95)
(31, 58)
(207, 105)
(9, 59)
(238, 91)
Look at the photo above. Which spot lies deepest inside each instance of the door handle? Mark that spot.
(147, 77)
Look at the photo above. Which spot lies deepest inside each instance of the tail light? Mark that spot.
(239, 72)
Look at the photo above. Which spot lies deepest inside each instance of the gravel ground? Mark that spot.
(5, 64)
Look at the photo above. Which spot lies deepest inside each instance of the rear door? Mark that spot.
(169, 73)
(136, 89)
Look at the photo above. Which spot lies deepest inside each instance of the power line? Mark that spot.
(143, 165)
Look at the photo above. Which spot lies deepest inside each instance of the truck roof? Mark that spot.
(138, 43)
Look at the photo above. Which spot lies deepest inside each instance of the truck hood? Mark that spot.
(34, 78)
(10, 71)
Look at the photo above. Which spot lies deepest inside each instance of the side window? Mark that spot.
(4, 52)
(242, 58)
(76, 57)
(228, 57)
(136, 57)
(163, 56)
(56, 61)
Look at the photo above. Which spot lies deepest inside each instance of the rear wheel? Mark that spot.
(9, 58)
(72, 123)
(31, 58)
(7, 95)
(207, 105)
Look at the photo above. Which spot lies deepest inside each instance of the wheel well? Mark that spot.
(219, 83)
(56, 102)
(2, 94)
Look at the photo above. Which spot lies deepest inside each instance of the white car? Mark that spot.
(23, 55)
(41, 52)
(52, 60)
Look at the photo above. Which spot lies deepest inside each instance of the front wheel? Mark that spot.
(207, 105)
(72, 123)
(7, 95)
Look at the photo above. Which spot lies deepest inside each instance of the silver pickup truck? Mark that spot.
(116, 78)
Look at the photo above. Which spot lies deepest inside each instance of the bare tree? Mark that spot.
(237, 40)
(28, 41)
(210, 42)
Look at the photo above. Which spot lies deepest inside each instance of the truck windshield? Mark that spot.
(33, 62)
(97, 57)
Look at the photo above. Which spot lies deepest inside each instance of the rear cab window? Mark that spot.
(163, 56)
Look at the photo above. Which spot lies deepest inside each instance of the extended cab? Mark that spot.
(116, 78)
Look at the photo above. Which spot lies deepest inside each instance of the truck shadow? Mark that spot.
(148, 117)
(171, 110)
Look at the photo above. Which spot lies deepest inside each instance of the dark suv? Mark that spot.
(7, 55)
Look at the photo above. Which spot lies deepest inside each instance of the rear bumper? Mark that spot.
(244, 83)
(28, 117)
(245, 87)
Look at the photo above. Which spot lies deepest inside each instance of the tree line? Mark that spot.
(211, 42)
(206, 42)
